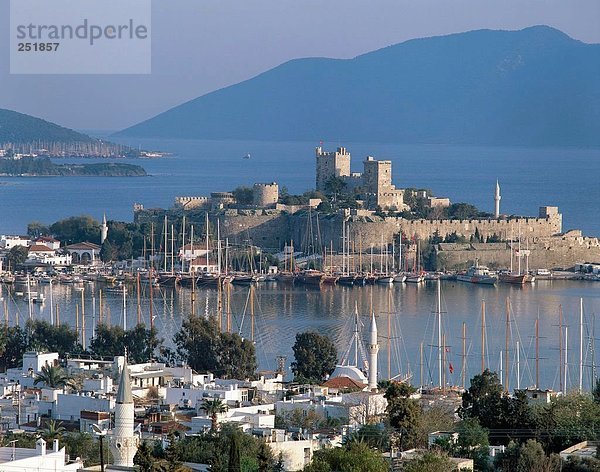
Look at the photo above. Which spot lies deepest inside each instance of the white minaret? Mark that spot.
(497, 198)
(123, 442)
(104, 230)
(373, 350)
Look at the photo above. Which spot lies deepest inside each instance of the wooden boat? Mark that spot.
(348, 280)
(310, 277)
(516, 279)
(329, 279)
(285, 277)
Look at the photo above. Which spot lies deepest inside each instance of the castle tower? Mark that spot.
(497, 198)
(331, 164)
(123, 442)
(104, 230)
(373, 350)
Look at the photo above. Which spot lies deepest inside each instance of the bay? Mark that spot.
(529, 178)
(283, 311)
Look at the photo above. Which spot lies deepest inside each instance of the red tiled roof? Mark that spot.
(47, 239)
(83, 245)
(344, 383)
(40, 248)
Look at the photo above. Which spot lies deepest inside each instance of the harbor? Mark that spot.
(281, 310)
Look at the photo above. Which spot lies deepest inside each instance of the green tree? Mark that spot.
(265, 458)
(404, 413)
(16, 256)
(35, 229)
(143, 457)
(77, 229)
(52, 430)
(335, 185)
(52, 376)
(213, 408)
(107, 253)
(142, 343)
(315, 356)
(48, 338)
(200, 343)
(13, 344)
(473, 442)
(235, 459)
(483, 399)
(357, 457)
(430, 462)
(243, 195)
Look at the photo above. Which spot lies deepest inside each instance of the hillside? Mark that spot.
(30, 167)
(20, 128)
(534, 87)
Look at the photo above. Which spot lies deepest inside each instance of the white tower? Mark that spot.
(123, 442)
(497, 198)
(373, 350)
(104, 230)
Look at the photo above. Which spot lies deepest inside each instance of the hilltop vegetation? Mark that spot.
(20, 128)
(30, 166)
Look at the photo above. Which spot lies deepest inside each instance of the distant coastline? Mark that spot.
(44, 167)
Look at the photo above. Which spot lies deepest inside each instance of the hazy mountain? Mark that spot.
(20, 128)
(534, 87)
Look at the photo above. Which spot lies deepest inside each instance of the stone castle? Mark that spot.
(271, 225)
(375, 182)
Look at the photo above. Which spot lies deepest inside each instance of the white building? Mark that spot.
(8, 242)
(18, 459)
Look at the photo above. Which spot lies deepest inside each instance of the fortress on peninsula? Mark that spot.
(380, 212)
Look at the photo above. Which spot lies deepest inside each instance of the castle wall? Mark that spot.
(555, 252)
(264, 228)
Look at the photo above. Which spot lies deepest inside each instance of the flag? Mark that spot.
(451, 368)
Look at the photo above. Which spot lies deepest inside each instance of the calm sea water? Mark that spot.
(529, 178)
(409, 311)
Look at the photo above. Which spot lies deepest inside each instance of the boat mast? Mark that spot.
(566, 358)
(172, 249)
(139, 304)
(580, 345)
(219, 262)
(439, 317)
(166, 244)
(560, 347)
(518, 367)
(506, 341)
(355, 335)
(537, 351)
(51, 306)
(421, 364)
(389, 330)
(183, 245)
(482, 336)
(464, 353)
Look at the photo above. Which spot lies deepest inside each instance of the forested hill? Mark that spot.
(29, 166)
(20, 128)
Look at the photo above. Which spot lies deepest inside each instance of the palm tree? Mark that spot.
(53, 430)
(53, 377)
(213, 408)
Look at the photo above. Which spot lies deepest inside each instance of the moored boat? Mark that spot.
(310, 277)
(477, 274)
(516, 279)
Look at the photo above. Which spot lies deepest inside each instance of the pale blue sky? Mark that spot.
(203, 45)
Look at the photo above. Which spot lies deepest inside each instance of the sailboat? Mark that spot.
(287, 275)
(416, 276)
(517, 278)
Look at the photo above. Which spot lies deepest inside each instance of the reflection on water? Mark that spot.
(406, 312)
